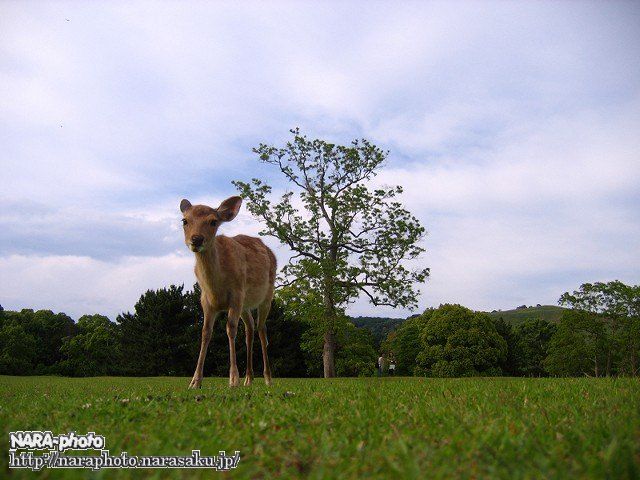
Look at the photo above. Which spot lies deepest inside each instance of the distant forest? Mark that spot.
(379, 327)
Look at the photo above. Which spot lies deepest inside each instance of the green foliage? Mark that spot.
(161, 337)
(94, 350)
(617, 306)
(158, 338)
(357, 355)
(547, 313)
(613, 299)
(457, 342)
(347, 238)
(44, 333)
(17, 350)
(509, 365)
(50, 329)
(627, 344)
(164, 334)
(578, 347)
(404, 344)
(355, 352)
(351, 428)
(533, 337)
(379, 327)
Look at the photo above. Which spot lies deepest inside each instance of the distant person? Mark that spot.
(392, 367)
(380, 365)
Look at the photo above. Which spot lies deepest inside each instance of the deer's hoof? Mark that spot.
(267, 380)
(234, 380)
(195, 383)
(247, 381)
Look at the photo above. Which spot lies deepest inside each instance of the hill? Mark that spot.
(549, 313)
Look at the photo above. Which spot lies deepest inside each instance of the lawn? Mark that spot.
(344, 428)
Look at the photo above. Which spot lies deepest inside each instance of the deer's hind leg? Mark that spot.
(263, 312)
(247, 318)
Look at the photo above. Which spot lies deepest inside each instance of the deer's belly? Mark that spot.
(254, 297)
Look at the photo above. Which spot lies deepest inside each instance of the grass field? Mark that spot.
(344, 428)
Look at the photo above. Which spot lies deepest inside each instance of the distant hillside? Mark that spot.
(550, 313)
(379, 326)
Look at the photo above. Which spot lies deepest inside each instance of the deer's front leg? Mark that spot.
(232, 330)
(207, 328)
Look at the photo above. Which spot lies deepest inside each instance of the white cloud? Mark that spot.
(79, 285)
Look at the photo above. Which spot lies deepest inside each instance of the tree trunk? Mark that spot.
(329, 350)
(328, 357)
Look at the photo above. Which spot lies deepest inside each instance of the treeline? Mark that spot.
(162, 337)
(598, 336)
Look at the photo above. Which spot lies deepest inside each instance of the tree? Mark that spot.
(458, 342)
(347, 239)
(94, 350)
(17, 350)
(48, 330)
(53, 329)
(355, 354)
(357, 357)
(405, 344)
(532, 342)
(578, 347)
(618, 306)
(509, 365)
(159, 337)
(380, 327)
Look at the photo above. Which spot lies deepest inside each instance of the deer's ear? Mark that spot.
(185, 205)
(228, 209)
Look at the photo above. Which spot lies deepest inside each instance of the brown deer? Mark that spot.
(235, 275)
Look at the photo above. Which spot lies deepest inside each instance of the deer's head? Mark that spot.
(201, 222)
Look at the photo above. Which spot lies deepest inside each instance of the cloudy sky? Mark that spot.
(514, 128)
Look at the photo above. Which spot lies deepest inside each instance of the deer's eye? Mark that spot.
(184, 221)
(213, 223)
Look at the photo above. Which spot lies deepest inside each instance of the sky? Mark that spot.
(514, 128)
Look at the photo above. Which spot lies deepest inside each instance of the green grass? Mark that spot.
(549, 313)
(345, 428)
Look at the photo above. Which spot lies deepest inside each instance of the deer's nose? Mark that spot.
(197, 240)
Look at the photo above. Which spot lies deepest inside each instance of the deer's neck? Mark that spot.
(208, 270)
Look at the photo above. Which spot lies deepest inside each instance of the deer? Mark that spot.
(236, 275)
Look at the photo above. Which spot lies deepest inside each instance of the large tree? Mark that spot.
(458, 342)
(348, 239)
(617, 305)
(579, 346)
